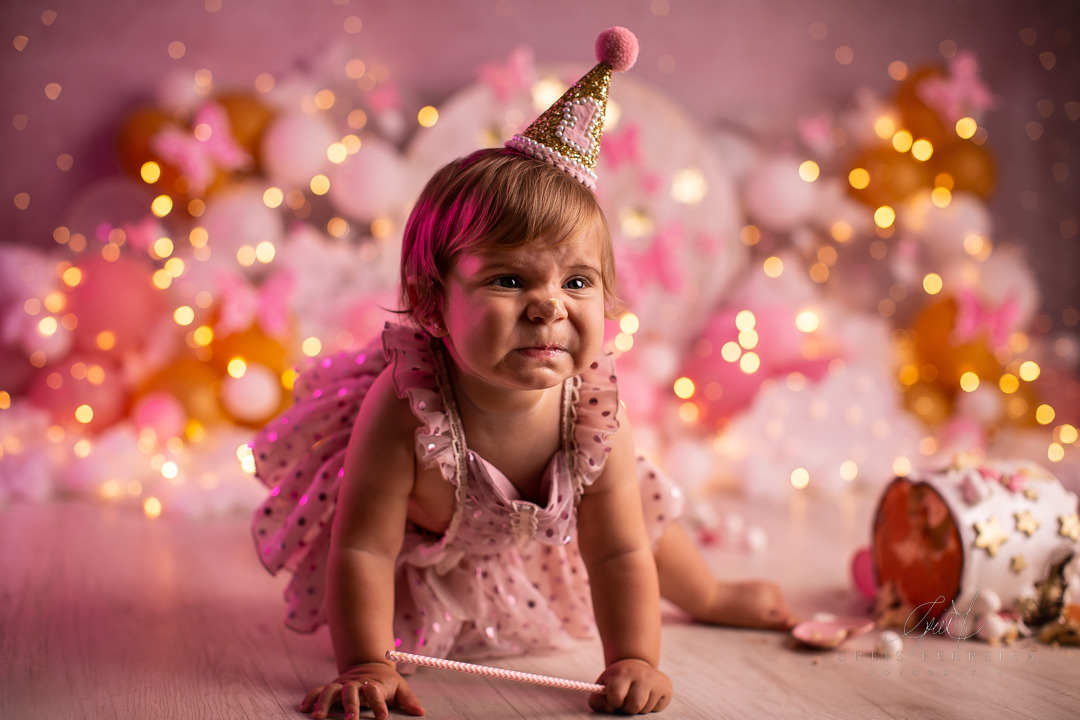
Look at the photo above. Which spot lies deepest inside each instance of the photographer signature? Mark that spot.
(952, 623)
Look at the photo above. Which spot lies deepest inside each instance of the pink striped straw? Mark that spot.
(494, 672)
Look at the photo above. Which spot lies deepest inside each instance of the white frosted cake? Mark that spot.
(998, 538)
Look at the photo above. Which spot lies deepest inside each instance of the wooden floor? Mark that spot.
(107, 614)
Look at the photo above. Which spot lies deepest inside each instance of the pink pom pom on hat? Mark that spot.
(618, 47)
(568, 134)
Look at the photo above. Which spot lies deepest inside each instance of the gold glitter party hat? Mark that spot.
(568, 134)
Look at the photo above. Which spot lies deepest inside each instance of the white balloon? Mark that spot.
(371, 183)
(943, 230)
(254, 396)
(776, 196)
(238, 217)
(294, 148)
(984, 404)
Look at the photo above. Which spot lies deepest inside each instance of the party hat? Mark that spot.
(568, 134)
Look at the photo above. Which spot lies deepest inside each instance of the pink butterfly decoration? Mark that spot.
(516, 75)
(974, 316)
(621, 147)
(961, 93)
(814, 131)
(651, 183)
(139, 235)
(200, 153)
(385, 97)
(142, 234)
(241, 303)
(658, 263)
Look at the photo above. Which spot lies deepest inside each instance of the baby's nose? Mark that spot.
(548, 310)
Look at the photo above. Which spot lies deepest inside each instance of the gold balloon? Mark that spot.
(894, 176)
(255, 348)
(249, 119)
(251, 345)
(918, 118)
(195, 384)
(970, 165)
(928, 403)
(134, 148)
(937, 346)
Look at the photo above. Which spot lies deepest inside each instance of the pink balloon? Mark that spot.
(162, 413)
(724, 388)
(109, 203)
(92, 380)
(862, 573)
(15, 370)
(116, 297)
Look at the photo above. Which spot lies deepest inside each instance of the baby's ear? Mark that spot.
(426, 311)
(412, 294)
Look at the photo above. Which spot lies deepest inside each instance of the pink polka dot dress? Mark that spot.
(506, 577)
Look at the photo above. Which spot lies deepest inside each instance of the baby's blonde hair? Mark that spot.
(493, 198)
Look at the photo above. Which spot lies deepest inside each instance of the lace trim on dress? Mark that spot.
(523, 521)
(571, 397)
(457, 434)
(595, 405)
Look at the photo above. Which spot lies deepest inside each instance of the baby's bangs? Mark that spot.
(539, 201)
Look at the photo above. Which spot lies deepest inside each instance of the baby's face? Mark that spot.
(525, 318)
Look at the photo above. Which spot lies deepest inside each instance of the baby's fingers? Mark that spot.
(407, 700)
(350, 699)
(629, 698)
(375, 698)
(309, 700)
(319, 701)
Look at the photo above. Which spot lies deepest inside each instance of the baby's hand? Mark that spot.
(632, 687)
(370, 685)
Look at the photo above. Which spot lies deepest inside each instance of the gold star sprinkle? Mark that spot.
(1017, 564)
(1031, 494)
(1070, 527)
(1025, 523)
(991, 536)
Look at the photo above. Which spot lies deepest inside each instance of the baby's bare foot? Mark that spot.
(750, 604)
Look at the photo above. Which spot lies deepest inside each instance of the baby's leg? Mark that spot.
(687, 582)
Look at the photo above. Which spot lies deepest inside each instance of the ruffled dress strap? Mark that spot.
(594, 417)
(597, 418)
(418, 364)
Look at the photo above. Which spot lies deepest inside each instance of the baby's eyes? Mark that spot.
(507, 281)
(512, 282)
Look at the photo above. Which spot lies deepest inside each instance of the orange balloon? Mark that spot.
(249, 119)
(252, 346)
(936, 345)
(927, 401)
(134, 148)
(266, 361)
(195, 384)
(894, 176)
(918, 118)
(971, 167)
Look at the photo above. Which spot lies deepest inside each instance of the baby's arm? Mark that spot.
(626, 596)
(369, 527)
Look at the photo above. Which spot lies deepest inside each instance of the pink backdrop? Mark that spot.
(760, 65)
